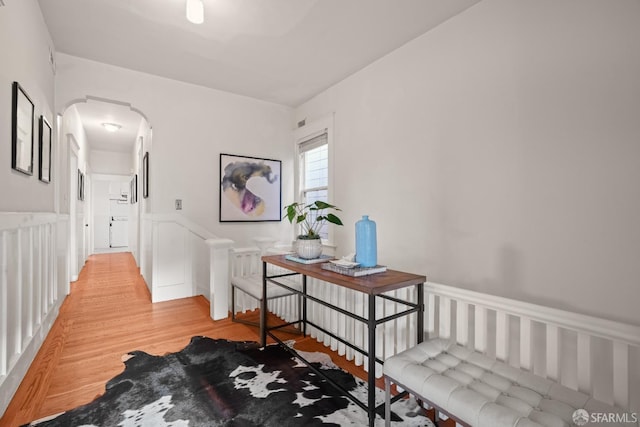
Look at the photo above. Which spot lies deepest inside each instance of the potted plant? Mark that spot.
(311, 217)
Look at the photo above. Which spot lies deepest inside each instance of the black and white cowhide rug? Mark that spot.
(227, 383)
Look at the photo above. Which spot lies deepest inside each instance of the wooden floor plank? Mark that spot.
(107, 314)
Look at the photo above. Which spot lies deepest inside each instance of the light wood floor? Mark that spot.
(107, 314)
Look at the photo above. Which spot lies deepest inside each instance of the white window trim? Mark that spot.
(304, 133)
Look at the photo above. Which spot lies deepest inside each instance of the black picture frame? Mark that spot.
(250, 189)
(44, 162)
(134, 189)
(22, 130)
(145, 175)
(80, 185)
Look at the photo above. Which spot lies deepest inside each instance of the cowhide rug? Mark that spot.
(226, 383)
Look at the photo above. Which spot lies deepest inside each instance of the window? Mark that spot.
(313, 171)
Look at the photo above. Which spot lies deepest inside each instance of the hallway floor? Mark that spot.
(107, 314)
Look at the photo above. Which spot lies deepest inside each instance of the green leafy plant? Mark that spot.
(311, 217)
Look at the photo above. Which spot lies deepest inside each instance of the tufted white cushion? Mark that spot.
(482, 391)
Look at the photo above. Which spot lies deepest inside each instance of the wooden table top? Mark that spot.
(372, 284)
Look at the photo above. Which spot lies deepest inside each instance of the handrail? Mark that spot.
(14, 220)
(591, 325)
(193, 227)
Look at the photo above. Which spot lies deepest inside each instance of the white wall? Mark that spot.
(191, 125)
(25, 44)
(71, 125)
(110, 162)
(35, 253)
(499, 152)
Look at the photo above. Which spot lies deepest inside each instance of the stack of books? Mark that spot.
(321, 258)
(354, 271)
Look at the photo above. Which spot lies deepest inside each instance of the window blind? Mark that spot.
(315, 142)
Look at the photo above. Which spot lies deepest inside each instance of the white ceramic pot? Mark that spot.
(308, 248)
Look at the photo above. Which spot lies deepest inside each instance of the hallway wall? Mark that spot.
(25, 45)
(110, 162)
(499, 152)
(33, 239)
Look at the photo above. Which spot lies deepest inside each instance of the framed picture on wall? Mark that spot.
(44, 170)
(250, 189)
(134, 189)
(80, 185)
(22, 131)
(145, 175)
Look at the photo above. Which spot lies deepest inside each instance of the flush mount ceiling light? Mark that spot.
(195, 11)
(111, 127)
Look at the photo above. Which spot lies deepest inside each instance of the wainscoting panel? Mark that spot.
(30, 254)
(180, 257)
(170, 262)
(146, 251)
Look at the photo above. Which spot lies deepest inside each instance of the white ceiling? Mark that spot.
(282, 51)
(94, 113)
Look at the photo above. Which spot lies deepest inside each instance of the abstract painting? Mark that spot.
(250, 189)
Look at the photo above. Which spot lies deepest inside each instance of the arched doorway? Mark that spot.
(104, 142)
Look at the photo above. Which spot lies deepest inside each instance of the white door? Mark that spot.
(119, 224)
(119, 232)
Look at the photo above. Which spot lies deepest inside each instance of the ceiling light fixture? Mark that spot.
(111, 127)
(195, 11)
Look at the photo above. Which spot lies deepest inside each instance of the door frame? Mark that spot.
(73, 166)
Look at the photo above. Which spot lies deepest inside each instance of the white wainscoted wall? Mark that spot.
(175, 261)
(33, 271)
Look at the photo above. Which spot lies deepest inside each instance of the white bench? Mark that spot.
(496, 362)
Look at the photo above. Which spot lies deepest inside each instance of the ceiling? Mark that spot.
(281, 51)
(95, 112)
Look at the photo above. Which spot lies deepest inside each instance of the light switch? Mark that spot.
(178, 204)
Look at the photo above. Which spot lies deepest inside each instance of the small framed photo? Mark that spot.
(80, 185)
(145, 175)
(134, 189)
(22, 131)
(250, 189)
(44, 170)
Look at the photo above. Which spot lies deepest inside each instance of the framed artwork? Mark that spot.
(22, 131)
(145, 175)
(250, 189)
(80, 185)
(44, 170)
(134, 189)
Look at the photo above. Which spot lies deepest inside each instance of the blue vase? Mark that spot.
(366, 245)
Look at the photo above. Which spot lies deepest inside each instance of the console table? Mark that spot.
(373, 286)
